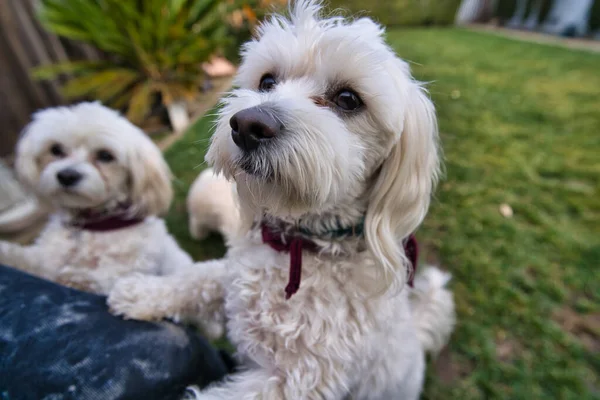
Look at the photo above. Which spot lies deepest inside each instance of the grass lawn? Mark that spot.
(520, 126)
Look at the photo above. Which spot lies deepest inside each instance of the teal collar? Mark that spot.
(292, 241)
(339, 231)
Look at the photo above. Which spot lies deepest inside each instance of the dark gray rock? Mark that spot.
(58, 343)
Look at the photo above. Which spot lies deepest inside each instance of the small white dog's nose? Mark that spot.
(68, 177)
(252, 126)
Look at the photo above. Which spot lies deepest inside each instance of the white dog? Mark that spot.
(333, 148)
(108, 182)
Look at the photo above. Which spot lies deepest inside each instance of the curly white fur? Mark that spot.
(352, 330)
(71, 138)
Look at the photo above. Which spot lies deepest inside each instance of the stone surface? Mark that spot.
(58, 343)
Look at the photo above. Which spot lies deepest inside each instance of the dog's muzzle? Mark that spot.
(252, 127)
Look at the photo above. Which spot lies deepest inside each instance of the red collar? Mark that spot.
(101, 222)
(294, 244)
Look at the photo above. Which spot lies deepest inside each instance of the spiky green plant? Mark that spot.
(152, 47)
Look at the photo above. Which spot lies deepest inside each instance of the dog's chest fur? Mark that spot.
(94, 260)
(331, 313)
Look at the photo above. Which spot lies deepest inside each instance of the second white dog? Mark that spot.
(108, 183)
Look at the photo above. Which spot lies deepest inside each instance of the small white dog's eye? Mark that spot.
(57, 150)
(104, 156)
(267, 83)
(347, 100)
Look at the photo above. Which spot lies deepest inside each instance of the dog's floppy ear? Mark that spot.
(26, 154)
(401, 193)
(151, 190)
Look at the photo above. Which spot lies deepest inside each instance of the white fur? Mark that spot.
(352, 330)
(138, 175)
(211, 207)
(432, 308)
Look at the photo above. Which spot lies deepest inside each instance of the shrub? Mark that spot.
(154, 48)
(403, 12)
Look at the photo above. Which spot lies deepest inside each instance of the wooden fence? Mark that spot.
(24, 44)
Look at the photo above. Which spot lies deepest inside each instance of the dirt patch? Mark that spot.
(507, 348)
(449, 369)
(584, 327)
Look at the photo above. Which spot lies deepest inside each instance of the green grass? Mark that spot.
(520, 125)
(186, 159)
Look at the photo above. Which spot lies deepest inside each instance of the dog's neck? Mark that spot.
(335, 232)
(107, 217)
(337, 229)
(335, 224)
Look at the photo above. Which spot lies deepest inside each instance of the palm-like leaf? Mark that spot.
(77, 67)
(156, 46)
(140, 101)
(103, 84)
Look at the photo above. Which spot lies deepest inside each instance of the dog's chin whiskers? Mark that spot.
(199, 165)
(252, 194)
(201, 141)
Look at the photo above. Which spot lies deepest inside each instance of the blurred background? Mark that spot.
(517, 87)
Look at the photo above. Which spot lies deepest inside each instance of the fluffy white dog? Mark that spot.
(333, 148)
(108, 182)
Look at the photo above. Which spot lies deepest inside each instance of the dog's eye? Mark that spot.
(267, 83)
(57, 150)
(104, 156)
(347, 100)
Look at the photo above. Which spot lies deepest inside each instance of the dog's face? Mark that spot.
(87, 156)
(320, 106)
(325, 113)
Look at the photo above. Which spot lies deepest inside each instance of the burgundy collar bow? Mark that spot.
(103, 222)
(295, 243)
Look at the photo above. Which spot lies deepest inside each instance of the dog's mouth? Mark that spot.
(74, 199)
(258, 169)
(76, 196)
(74, 191)
(247, 166)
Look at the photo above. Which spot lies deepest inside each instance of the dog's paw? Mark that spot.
(137, 297)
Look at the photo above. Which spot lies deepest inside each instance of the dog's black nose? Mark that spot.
(68, 177)
(252, 126)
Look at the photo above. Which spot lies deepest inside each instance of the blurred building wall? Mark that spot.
(572, 18)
